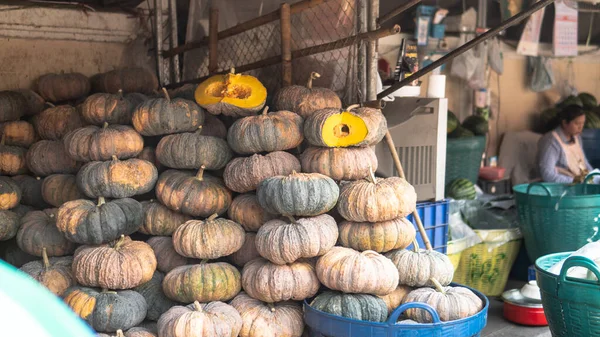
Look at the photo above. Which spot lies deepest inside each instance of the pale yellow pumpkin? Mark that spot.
(381, 237)
(214, 319)
(268, 319)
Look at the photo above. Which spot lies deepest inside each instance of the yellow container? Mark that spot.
(486, 265)
(455, 250)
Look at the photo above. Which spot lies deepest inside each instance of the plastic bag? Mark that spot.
(495, 56)
(461, 236)
(491, 213)
(591, 251)
(464, 66)
(540, 70)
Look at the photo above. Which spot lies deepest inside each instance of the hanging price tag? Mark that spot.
(530, 39)
(565, 29)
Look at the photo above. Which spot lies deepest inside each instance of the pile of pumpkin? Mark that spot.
(232, 211)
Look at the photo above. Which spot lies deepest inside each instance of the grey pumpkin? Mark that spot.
(190, 150)
(158, 302)
(362, 307)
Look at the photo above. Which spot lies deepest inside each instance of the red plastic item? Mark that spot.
(524, 315)
(491, 173)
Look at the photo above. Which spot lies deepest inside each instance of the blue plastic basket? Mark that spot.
(434, 216)
(591, 145)
(322, 324)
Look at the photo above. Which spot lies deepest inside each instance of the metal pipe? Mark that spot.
(286, 45)
(372, 51)
(361, 56)
(397, 11)
(173, 41)
(158, 26)
(213, 40)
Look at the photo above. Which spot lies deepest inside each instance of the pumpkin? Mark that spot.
(418, 267)
(248, 251)
(129, 80)
(116, 178)
(18, 133)
(376, 200)
(48, 157)
(214, 319)
(148, 153)
(199, 195)
(352, 126)
(53, 273)
(232, 94)
(60, 188)
(92, 143)
(9, 224)
(55, 122)
(298, 194)
(362, 307)
(305, 100)
(451, 303)
(208, 239)
(31, 189)
(167, 258)
(244, 174)
(204, 282)
(267, 132)
(12, 159)
(347, 270)
(10, 193)
(381, 237)
(152, 291)
(270, 282)
(339, 163)
(122, 264)
(107, 108)
(35, 102)
(12, 106)
(214, 127)
(83, 221)
(63, 86)
(133, 332)
(395, 298)
(190, 150)
(246, 211)
(164, 116)
(136, 98)
(107, 311)
(21, 210)
(185, 91)
(159, 220)
(13, 255)
(38, 231)
(268, 319)
(284, 242)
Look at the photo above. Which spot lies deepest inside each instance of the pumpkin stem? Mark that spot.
(101, 201)
(50, 104)
(353, 106)
(45, 259)
(203, 261)
(212, 217)
(371, 176)
(313, 75)
(232, 70)
(38, 178)
(106, 291)
(291, 218)
(114, 157)
(120, 242)
(200, 174)
(120, 94)
(197, 306)
(120, 333)
(166, 93)
(105, 125)
(265, 110)
(438, 286)
(271, 306)
(415, 246)
(3, 139)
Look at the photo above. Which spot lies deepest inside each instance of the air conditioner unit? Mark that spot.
(418, 128)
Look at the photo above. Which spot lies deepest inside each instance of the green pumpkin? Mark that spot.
(204, 282)
(362, 307)
(157, 302)
(190, 150)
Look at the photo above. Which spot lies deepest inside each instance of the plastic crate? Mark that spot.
(434, 216)
(591, 145)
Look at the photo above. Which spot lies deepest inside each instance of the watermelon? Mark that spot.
(570, 100)
(460, 132)
(461, 189)
(592, 120)
(476, 124)
(452, 122)
(588, 100)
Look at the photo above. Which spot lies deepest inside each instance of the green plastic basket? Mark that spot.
(557, 217)
(572, 306)
(463, 158)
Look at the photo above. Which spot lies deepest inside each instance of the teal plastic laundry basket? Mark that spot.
(463, 158)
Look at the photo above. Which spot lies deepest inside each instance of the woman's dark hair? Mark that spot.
(566, 114)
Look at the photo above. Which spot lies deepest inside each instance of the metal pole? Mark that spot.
(158, 24)
(213, 40)
(173, 41)
(373, 14)
(286, 45)
(397, 11)
(361, 64)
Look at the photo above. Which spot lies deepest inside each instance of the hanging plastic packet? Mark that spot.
(495, 56)
(540, 70)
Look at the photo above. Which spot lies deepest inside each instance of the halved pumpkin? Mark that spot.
(232, 94)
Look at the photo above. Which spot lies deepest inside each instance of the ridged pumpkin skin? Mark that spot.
(130, 80)
(266, 319)
(396, 297)
(48, 157)
(60, 188)
(214, 319)
(18, 133)
(270, 282)
(107, 311)
(284, 242)
(136, 99)
(63, 87)
(107, 108)
(214, 127)
(53, 273)
(12, 106)
(203, 282)
(267, 132)
(199, 195)
(246, 211)
(55, 122)
(38, 230)
(376, 200)
(9, 224)
(248, 251)
(32, 191)
(122, 264)
(349, 271)
(451, 303)
(12, 160)
(167, 258)
(117, 178)
(362, 307)
(298, 194)
(339, 163)
(208, 239)
(381, 237)
(190, 150)
(352, 126)
(13, 255)
(305, 100)
(133, 332)
(10, 193)
(35, 102)
(86, 222)
(164, 116)
(244, 174)
(417, 269)
(160, 220)
(157, 302)
(92, 143)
